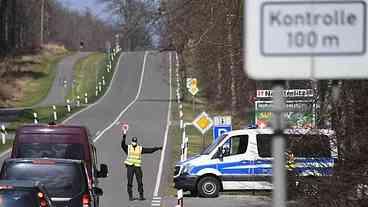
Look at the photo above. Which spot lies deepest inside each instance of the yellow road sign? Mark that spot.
(193, 91)
(203, 122)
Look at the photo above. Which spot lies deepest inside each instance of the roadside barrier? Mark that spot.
(180, 198)
(35, 118)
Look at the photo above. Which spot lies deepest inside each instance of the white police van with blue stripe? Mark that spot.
(242, 160)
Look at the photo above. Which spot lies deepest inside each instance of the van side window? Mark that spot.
(236, 145)
(309, 145)
(264, 142)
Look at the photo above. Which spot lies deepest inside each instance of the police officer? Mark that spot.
(133, 163)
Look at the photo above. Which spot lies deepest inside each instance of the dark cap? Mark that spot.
(134, 139)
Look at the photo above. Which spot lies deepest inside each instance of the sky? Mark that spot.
(97, 8)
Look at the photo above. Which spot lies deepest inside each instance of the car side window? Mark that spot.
(236, 145)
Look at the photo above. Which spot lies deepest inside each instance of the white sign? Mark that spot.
(287, 93)
(222, 120)
(125, 126)
(301, 39)
(313, 28)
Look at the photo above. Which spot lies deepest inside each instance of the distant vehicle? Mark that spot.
(65, 180)
(59, 141)
(15, 193)
(242, 160)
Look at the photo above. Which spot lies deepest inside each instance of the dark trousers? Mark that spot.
(137, 171)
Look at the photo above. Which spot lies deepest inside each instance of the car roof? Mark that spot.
(21, 183)
(30, 160)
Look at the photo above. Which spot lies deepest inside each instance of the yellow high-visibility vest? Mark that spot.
(134, 157)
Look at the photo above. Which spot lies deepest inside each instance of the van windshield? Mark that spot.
(50, 146)
(60, 180)
(213, 146)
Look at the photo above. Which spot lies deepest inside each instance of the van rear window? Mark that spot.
(301, 145)
(66, 146)
(50, 150)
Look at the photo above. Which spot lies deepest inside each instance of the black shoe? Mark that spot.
(141, 198)
(131, 199)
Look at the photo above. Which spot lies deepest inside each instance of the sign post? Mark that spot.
(192, 85)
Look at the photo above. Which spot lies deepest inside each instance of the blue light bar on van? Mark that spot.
(252, 126)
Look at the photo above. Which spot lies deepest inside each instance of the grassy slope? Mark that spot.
(85, 76)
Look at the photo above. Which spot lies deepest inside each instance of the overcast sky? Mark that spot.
(97, 8)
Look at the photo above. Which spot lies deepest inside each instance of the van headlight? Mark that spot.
(186, 169)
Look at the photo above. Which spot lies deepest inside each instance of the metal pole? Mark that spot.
(42, 20)
(193, 103)
(278, 148)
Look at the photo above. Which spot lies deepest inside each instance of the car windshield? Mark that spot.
(212, 146)
(61, 180)
(18, 198)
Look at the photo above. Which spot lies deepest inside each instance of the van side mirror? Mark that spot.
(103, 171)
(220, 153)
(97, 191)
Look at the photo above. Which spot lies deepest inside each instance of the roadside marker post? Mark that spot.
(180, 198)
(78, 101)
(35, 119)
(86, 98)
(96, 90)
(99, 86)
(54, 112)
(103, 81)
(68, 105)
(184, 142)
(3, 134)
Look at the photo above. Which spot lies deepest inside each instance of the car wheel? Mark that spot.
(208, 187)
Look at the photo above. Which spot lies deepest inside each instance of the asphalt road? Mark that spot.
(139, 95)
(64, 72)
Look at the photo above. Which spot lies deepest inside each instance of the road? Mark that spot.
(64, 72)
(140, 96)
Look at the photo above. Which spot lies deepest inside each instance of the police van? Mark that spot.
(242, 160)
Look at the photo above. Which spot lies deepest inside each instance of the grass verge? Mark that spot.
(87, 73)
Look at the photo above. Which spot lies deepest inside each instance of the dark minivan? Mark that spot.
(65, 180)
(61, 142)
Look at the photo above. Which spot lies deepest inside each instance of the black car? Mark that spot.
(65, 180)
(23, 194)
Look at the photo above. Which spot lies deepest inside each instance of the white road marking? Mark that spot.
(130, 105)
(159, 174)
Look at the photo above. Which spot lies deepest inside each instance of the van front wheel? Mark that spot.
(208, 187)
